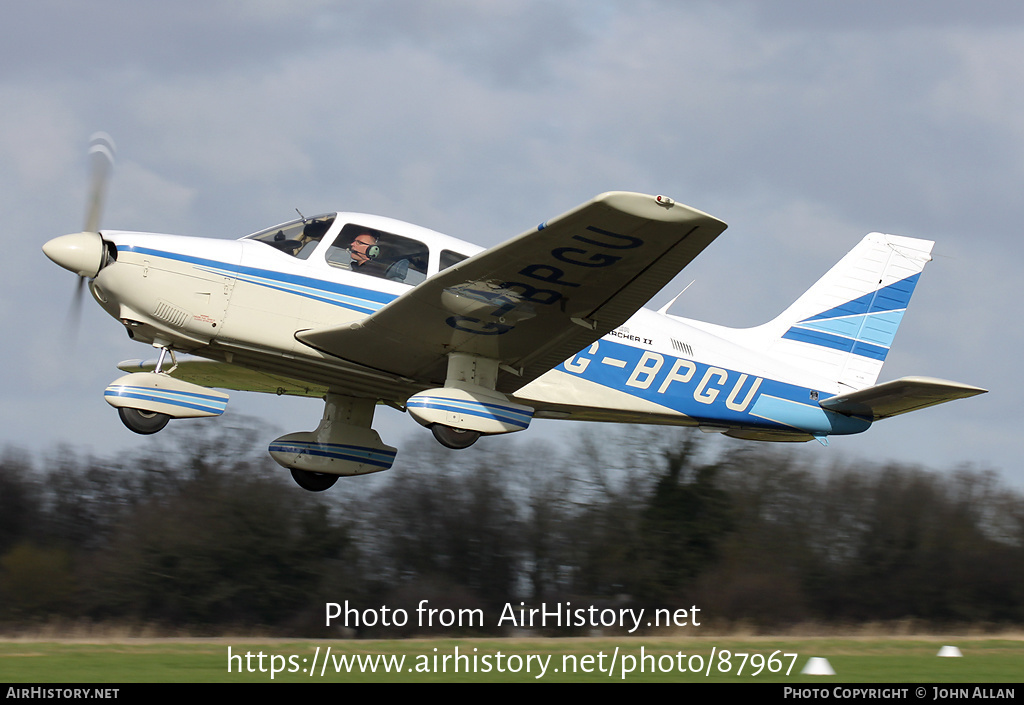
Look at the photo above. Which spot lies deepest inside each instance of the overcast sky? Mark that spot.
(802, 124)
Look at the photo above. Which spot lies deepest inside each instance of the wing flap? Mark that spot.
(535, 300)
(211, 373)
(899, 397)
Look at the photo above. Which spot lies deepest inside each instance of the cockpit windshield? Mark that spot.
(299, 237)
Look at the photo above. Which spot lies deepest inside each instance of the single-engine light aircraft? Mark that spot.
(361, 310)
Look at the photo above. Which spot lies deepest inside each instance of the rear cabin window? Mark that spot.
(448, 258)
(381, 254)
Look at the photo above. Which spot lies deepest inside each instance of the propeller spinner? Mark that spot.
(84, 253)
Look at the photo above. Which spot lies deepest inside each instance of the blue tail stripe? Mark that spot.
(825, 340)
(875, 352)
(888, 298)
(836, 342)
(879, 328)
(864, 326)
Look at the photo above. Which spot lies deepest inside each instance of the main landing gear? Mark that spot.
(314, 481)
(454, 438)
(342, 445)
(468, 406)
(144, 422)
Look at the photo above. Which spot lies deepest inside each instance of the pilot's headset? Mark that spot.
(372, 251)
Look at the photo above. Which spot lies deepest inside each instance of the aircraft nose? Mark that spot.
(81, 253)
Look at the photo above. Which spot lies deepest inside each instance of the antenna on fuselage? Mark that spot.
(664, 309)
(300, 215)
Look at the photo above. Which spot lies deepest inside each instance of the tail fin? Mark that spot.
(843, 326)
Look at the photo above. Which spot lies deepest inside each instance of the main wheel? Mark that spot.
(314, 481)
(454, 438)
(144, 422)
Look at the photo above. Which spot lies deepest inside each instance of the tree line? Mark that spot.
(203, 531)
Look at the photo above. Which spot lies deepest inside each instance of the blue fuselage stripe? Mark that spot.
(352, 297)
(713, 394)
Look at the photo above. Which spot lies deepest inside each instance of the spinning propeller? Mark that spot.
(85, 253)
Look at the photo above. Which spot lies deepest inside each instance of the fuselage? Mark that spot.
(243, 301)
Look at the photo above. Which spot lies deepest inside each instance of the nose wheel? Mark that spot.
(454, 438)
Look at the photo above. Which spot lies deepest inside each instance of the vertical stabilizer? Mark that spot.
(843, 326)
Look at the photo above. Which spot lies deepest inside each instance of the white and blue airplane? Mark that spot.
(362, 310)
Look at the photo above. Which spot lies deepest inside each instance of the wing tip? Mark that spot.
(660, 208)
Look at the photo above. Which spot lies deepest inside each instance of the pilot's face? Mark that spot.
(359, 247)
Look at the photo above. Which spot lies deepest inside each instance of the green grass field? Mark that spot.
(746, 660)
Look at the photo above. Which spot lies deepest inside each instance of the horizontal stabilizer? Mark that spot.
(899, 397)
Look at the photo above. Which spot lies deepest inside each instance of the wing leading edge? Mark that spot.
(535, 300)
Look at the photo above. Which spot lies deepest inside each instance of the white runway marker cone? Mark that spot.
(818, 666)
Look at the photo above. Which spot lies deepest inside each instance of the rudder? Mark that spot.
(843, 326)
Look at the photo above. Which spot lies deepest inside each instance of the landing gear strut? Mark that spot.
(148, 422)
(343, 444)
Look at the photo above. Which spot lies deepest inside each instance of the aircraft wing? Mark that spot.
(898, 397)
(535, 300)
(211, 373)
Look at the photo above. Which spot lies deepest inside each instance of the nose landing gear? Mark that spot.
(146, 401)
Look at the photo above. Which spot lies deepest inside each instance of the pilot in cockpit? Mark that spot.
(364, 250)
(366, 254)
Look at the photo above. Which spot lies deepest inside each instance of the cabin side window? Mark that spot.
(448, 258)
(379, 254)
